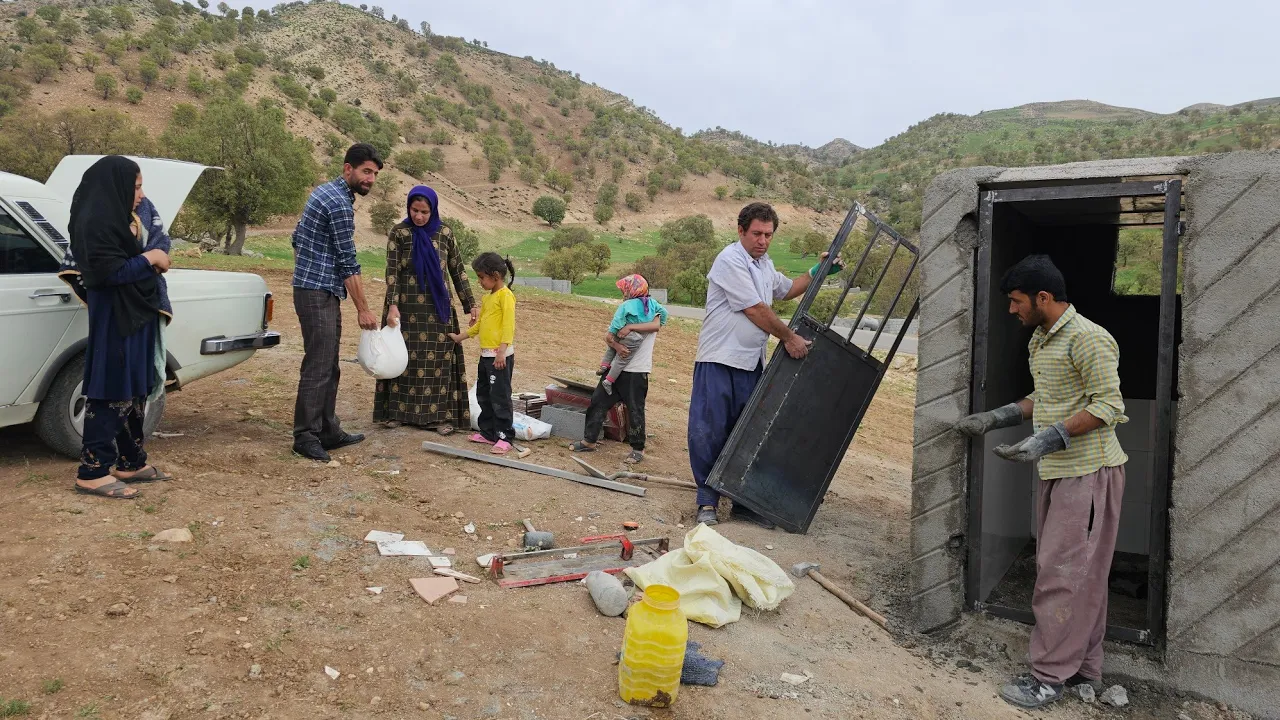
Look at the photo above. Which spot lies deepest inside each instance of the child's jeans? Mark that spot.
(493, 392)
(615, 362)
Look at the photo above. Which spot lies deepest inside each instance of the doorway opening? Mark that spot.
(1117, 244)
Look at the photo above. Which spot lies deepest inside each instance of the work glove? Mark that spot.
(1049, 440)
(984, 422)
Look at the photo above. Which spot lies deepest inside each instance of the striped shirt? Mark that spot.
(324, 246)
(1075, 366)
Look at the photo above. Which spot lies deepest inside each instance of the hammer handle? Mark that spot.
(851, 601)
(528, 525)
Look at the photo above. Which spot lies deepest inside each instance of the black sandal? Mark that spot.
(111, 490)
(148, 474)
(579, 446)
(636, 456)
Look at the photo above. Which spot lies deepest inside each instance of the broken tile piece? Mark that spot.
(433, 588)
(448, 551)
(792, 679)
(485, 560)
(333, 674)
(459, 599)
(457, 575)
(404, 548)
(440, 562)
(383, 536)
(374, 590)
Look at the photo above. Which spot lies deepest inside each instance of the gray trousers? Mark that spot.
(1077, 519)
(616, 362)
(314, 413)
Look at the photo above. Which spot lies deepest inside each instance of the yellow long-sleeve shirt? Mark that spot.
(497, 323)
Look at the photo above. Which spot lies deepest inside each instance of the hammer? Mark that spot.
(537, 538)
(811, 569)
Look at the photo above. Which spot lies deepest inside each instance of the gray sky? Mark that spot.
(812, 70)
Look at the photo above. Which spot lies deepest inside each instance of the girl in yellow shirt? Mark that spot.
(496, 328)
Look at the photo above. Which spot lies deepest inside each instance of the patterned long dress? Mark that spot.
(433, 389)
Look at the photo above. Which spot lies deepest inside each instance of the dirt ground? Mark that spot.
(97, 620)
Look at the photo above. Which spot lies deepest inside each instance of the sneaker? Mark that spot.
(1027, 691)
(707, 515)
(741, 512)
(343, 441)
(311, 450)
(1077, 680)
(604, 370)
(607, 385)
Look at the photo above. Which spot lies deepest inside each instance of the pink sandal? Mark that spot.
(478, 438)
(501, 447)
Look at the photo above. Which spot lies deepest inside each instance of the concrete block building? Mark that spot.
(1195, 586)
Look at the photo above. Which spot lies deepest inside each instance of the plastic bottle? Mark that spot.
(607, 593)
(653, 649)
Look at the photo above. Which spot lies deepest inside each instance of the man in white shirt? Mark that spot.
(741, 288)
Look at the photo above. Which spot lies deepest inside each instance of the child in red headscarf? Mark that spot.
(636, 308)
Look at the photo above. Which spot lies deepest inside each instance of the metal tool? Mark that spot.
(539, 539)
(516, 570)
(530, 467)
(811, 569)
(624, 475)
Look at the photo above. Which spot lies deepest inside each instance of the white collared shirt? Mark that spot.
(736, 282)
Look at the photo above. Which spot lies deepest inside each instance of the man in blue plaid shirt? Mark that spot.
(324, 272)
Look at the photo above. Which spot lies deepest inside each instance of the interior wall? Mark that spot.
(1086, 256)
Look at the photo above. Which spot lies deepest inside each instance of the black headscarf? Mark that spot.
(101, 242)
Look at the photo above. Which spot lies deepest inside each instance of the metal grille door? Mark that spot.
(794, 432)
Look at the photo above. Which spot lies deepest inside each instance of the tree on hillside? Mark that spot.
(383, 215)
(41, 67)
(122, 17)
(148, 72)
(721, 191)
(570, 237)
(426, 27)
(634, 202)
(603, 213)
(267, 171)
(106, 84)
(467, 240)
(377, 12)
(558, 180)
(49, 13)
(810, 243)
(32, 144)
(600, 257)
(550, 208)
(569, 264)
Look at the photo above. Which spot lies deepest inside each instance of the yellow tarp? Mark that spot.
(714, 577)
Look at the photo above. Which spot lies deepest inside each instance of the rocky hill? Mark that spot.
(493, 132)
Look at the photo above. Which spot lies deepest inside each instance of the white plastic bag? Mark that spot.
(527, 428)
(382, 353)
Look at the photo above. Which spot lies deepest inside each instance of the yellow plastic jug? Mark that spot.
(653, 649)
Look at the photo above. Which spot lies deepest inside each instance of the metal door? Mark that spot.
(799, 422)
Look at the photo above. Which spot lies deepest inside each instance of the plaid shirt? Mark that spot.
(324, 246)
(1075, 367)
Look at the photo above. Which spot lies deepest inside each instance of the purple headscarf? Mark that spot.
(426, 261)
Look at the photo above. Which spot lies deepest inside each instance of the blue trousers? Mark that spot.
(720, 393)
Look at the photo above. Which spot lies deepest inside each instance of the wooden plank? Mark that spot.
(530, 467)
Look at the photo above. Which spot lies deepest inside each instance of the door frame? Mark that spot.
(1161, 475)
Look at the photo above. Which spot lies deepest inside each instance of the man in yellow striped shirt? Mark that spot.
(1074, 410)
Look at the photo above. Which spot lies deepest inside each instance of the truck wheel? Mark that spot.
(60, 419)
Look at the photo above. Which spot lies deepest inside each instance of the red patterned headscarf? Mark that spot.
(635, 286)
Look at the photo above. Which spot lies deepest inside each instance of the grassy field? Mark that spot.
(525, 248)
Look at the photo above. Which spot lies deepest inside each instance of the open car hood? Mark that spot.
(166, 182)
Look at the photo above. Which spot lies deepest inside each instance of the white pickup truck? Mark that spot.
(219, 318)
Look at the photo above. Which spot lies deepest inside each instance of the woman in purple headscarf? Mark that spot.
(432, 392)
